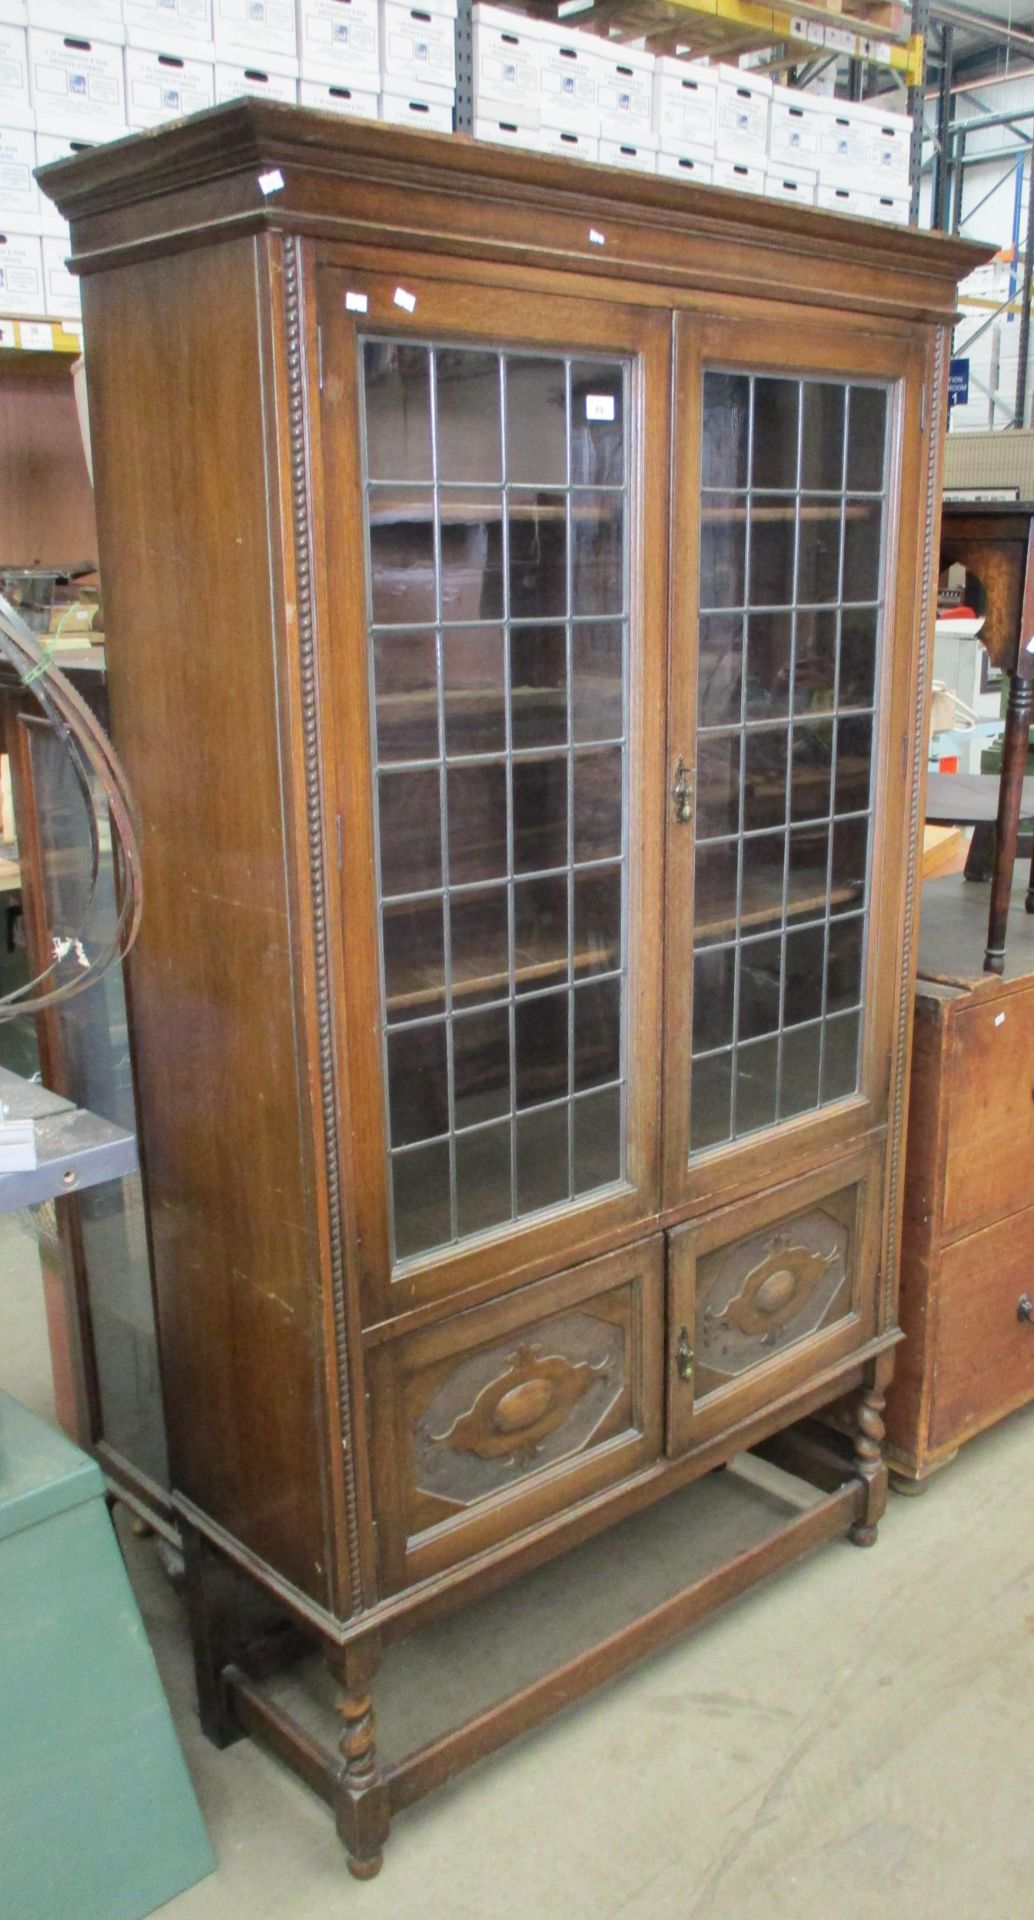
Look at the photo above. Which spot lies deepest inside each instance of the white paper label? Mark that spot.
(407, 301)
(271, 182)
(596, 239)
(599, 406)
(7, 334)
(356, 303)
(999, 1019)
(36, 334)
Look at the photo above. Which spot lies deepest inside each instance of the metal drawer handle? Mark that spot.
(682, 794)
(1025, 1308)
(684, 1357)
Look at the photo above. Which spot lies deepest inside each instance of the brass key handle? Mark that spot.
(682, 794)
(684, 1357)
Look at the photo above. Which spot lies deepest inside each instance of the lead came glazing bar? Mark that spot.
(792, 517)
(497, 602)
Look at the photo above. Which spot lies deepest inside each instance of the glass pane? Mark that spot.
(774, 449)
(496, 510)
(471, 568)
(538, 555)
(785, 767)
(597, 424)
(718, 785)
(769, 654)
(414, 959)
(543, 1178)
(726, 430)
(596, 827)
(410, 832)
(822, 449)
(542, 1048)
(539, 814)
(597, 920)
(723, 552)
(417, 1083)
(397, 382)
(597, 1034)
(420, 1199)
(482, 1179)
(405, 670)
(477, 823)
(473, 670)
(536, 421)
(540, 932)
(719, 669)
(481, 1065)
(479, 951)
(538, 686)
(597, 1139)
(597, 678)
(402, 573)
(470, 444)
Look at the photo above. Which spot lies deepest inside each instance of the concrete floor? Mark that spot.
(855, 1739)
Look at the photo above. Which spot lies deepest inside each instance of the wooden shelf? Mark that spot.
(873, 30)
(763, 905)
(425, 993)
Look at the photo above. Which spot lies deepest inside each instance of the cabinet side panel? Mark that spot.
(175, 372)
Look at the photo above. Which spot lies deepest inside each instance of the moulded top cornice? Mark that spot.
(246, 138)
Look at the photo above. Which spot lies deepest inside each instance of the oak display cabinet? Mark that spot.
(528, 752)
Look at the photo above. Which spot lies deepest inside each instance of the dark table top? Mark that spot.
(969, 799)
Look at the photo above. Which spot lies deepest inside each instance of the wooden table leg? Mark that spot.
(1010, 795)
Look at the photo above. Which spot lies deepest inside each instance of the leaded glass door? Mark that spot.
(784, 665)
(499, 488)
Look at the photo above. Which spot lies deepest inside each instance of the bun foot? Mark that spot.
(863, 1534)
(367, 1869)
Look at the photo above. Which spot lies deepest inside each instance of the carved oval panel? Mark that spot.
(768, 1292)
(518, 1406)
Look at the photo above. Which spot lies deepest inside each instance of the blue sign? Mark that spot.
(958, 383)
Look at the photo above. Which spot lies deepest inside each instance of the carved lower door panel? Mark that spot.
(495, 1419)
(763, 1295)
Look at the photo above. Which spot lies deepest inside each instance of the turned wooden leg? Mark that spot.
(210, 1590)
(869, 1462)
(361, 1805)
(1010, 797)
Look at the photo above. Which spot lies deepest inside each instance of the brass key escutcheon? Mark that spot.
(684, 1356)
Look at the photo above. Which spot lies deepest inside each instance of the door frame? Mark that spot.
(465, 312)
(718, 1174)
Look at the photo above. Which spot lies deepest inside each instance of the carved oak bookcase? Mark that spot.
(518, 578)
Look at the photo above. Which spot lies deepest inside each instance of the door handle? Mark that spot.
(682, 793)
(1025, 1308)
(684, 1357)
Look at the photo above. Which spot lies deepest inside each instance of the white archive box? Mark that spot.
(20, 207)
(98, 19)
(53, 146)
(418, 43)
(507, 59)
(425, 106)
(15, 104)
(888, 147)
(60, 288)
(843, 199)
(842, 143)
(570, 71)
(741, 118)
(76, 84)
(166, 86)
(509, 133)
(251, 30)
(781, 184)
(693, 164)
(639, 155)
(890, 206)
(795, 128)
(338, 38)
(357, 102)
(570, 142)
(14, 13)
(268, 79)
(21, 273)
(179, 25)
(625, 92)
(685, 104)
(737, 173)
